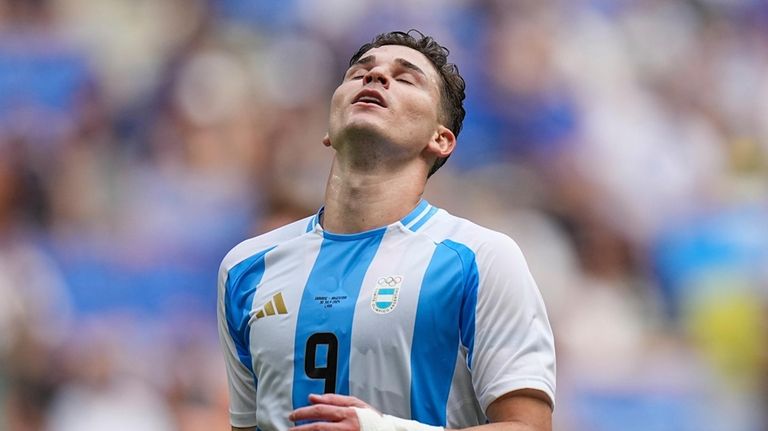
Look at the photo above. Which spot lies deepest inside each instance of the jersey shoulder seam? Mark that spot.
(486, 235)
(257, 244)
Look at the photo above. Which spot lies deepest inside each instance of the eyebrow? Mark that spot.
(401, 61)
(365, 60)
(408, 65)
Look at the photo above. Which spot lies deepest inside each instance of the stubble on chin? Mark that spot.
(363, 146)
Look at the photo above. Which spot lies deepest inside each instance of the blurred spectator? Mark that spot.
(44, 80)
(101, 395)
(35, 312)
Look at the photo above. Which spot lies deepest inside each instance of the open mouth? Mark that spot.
(370, 96)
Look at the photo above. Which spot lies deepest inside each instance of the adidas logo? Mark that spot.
(275, 306)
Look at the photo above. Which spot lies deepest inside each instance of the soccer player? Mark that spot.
(381, 311)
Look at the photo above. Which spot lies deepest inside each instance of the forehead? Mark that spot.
(389, 53)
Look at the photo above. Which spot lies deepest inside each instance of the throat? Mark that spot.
(356, 204)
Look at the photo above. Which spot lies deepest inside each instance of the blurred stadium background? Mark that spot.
(623, 143)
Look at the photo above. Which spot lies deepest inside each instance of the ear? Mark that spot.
(442, 143)
(326, 140)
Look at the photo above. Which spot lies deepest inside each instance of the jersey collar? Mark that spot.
(413, 220)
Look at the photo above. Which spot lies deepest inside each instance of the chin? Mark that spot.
(364, 131)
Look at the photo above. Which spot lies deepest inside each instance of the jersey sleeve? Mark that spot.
(511, 346)
(241, 379)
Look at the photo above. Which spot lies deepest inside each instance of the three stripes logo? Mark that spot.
(275, 306)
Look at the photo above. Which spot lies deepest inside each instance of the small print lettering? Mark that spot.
(329, 301)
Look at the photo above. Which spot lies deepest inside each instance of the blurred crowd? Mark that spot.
(622, 143)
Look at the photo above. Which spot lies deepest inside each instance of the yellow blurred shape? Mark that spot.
(728, 327)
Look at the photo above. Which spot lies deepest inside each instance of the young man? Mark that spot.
(404, 316)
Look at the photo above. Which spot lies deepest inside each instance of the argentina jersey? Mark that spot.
(431, 318)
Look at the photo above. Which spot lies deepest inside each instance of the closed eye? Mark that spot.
(405, 81)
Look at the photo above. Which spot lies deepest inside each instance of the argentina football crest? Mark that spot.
(384, 298)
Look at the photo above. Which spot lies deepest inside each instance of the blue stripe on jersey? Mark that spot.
(328, 306)
(424, 219)
(415, 212)
(436, 336)
(242, 281)
(468, 298)
(311, 224)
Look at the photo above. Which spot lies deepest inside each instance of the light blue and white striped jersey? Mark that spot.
(431, 318)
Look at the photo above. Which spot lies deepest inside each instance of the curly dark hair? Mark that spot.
(453, 85)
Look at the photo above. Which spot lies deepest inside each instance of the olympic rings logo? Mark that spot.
(390, 281)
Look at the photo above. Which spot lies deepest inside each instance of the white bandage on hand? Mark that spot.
(370, 420)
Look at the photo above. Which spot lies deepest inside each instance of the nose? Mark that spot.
(376, 75)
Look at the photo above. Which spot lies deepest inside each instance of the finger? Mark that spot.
(337, 400)
(322, 426)
(323, 412)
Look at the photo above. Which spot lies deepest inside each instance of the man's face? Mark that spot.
(392, 94)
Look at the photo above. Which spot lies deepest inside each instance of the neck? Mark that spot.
(357, 200)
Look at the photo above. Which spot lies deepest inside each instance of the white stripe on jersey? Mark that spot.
(376, 359)
(273, 366)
